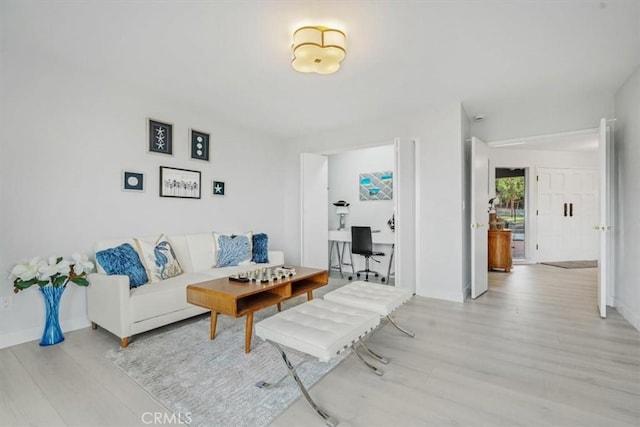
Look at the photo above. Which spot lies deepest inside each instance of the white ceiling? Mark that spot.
(232, 57)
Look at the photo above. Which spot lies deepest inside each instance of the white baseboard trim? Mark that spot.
(19, 337)
(628, 314)
(443, 296)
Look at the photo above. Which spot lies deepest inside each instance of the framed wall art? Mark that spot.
(376, 186)
(181, 183)
(132, 181)
(199, 145)
(160, 137)
(218, 188)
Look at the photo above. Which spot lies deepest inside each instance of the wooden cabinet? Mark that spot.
(500, 250)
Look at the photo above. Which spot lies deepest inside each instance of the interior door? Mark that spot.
(567, 208)
(404, 190)
(604, 226)
(479, 216)
(314, 235)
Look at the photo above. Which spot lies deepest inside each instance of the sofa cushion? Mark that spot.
(123, 260)
(163, 297)
(158, 258)
(202, 252)
(260, 248)
(233, 250)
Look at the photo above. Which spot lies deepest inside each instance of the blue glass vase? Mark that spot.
(52, 333)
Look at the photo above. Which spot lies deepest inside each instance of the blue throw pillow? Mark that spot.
(260, 248)
(233, 250)
(123, 260)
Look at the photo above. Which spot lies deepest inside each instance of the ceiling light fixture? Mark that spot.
(318, 49)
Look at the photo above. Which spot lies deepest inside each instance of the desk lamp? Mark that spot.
(342, 211)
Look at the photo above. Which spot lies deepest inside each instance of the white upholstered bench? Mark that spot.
(322, 329)
(381, 299)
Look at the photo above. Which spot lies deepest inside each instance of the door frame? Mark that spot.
(530, 200)
(409, 242)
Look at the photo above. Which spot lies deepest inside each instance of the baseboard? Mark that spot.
(447, 296)
(628, 314)
(26, 335)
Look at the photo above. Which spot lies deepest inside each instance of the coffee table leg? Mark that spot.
(309, 295)
(214, 321)
(248, 332)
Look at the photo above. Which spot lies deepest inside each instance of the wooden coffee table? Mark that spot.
(245, 298)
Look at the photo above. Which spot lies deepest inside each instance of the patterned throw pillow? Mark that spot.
(123, 260)
(158, 258)
(233, 250)
(260, 248)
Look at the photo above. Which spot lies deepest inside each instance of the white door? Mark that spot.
(567, 208)
(404, 190)
(314, 235)
(604, 226)
(479, 216)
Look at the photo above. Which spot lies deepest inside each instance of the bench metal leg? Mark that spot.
(375, 370)
(411, 334)
(264, 384)
(382, 359)
(332, 422)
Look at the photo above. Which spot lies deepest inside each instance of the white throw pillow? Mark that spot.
(238, 258)
(158, 258)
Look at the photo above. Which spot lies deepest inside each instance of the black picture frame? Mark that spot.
(217, 189)
(160, 137)
(180, 183)
(132, 181)
(199, 145)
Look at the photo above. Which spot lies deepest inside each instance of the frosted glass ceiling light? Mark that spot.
(318, 50)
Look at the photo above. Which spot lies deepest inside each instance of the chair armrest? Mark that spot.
(108, 303)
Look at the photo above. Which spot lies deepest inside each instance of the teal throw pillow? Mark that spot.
(233, 250)
(260, 248)
(123, 260)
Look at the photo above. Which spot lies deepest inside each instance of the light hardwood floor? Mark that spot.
(531, 352)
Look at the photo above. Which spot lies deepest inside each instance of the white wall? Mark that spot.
(439, 186)
(344, 172)
(66, 137)
(627, 223)
(543, 116)
(534, 159)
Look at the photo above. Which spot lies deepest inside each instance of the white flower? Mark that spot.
(46, 271)
(26, 270)
(81, 264)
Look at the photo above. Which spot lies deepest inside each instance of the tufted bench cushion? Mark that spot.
(381, 299)
(318, 327)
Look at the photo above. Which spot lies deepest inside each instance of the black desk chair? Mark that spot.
(362, 244)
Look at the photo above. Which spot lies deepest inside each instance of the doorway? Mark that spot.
(316, 211)
(510, 205)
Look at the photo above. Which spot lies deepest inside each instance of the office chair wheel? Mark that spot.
(358, 274)
(350, 277)
(382, 280)
(376, 274)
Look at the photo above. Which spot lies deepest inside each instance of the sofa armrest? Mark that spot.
(276, 257)
(108, 303)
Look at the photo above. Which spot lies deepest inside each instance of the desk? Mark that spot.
(342, 238)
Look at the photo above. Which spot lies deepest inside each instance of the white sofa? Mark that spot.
(126, 312)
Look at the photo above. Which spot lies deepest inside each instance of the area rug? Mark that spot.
(214, 381)
(573, 264)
